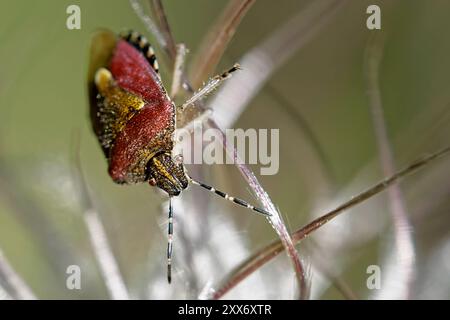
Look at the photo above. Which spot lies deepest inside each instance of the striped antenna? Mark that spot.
(232, 199)
(169, 242)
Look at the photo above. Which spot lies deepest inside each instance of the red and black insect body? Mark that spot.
(134, 118)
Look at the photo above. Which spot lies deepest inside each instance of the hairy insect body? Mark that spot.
(133, 117)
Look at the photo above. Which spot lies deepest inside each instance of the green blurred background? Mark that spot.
(43, 106)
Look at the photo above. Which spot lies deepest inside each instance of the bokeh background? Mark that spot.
(328, 153)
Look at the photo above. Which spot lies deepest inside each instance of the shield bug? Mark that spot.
(134, 119)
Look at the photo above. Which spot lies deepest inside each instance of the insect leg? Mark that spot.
(178, 70)
(169, 242)
(210, 86)
(237, 201)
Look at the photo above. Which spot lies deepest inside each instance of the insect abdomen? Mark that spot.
(135, 118)
(147, 133)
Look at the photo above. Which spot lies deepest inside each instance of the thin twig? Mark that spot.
(18, 289)
(266, 254)
(4, 295)
(216, 41)
(162, 23)
(163, 34)
(178, 70)
(213, 47)
(149, 24)
(234, 96)
(402, 227)
(97, 235)
(275, 220)
(104, 255)
(31, 215)
(263, 60)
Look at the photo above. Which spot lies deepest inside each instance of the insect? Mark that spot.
(134, 118)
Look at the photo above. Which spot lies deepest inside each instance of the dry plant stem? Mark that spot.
(192, 278)
(264, 255)
(149, 24)
(4, 295)
(216, 42)
(156, 6)
(33, 218)
(178, 70)
(163, 34)
(275, 219)
(402, 227)
(262, 61)
(31, 215)
(17, 288)
(211, 51)
(104, 255)
(109, 268)
(230, 103)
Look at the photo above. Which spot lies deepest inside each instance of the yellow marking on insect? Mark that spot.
(103, 79)
(161, 169)
(114, 94)
(150, 52)
(134, 36)
(119, 105)
(156, 65)
(142, 42)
